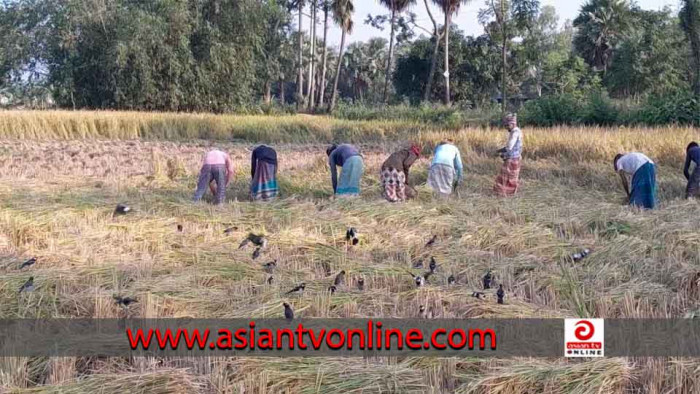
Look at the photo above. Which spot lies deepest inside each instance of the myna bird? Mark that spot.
(433, 264)
(451, 280)
(431, 242)
(288, 312)
(124, 301)
(257, 240)
(581, 255)
(332, 289)
(425, 313)
(269, 267)
(122, 209)
(256, 253)
(487, 280)
(361, 284)
(28, 263)
(479, 295)
(28, 285)
(351, 235)
(299, 289)
(179, 227)
(500, 294)
(229, 230)
(417, 279)
(270, 280)
(340, 278)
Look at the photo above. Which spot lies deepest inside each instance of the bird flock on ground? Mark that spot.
(352, 237)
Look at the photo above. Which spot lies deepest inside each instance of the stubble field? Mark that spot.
(61, 175)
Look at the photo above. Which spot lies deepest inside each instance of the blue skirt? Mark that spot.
(643, 192)
(350, 175)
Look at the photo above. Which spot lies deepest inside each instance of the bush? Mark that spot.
(600, 110)
(561, 109)
(678, 108)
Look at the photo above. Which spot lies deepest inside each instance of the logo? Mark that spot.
(584, 337)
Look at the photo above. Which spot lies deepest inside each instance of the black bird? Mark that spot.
(581, 255)
(419, 280)
(28, 285)
(288, 312)
(28, 263)
(451, 280)
(270, 279)
(332, 289)
(487, 280)
(179, 227)
(418, 264)
(431, 242)
(256, 253)
(433, 264)
(122, 209)
(351, 234)
(299, 289)
(479, 295)
(361, 284)
(269, 267)
(229, 230)
(257, 240)
(425, 313)
(500, 293)
(124, 301)
(340, 278)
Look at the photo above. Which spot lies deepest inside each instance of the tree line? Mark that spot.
(230, 55)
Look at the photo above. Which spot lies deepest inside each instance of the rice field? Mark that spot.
(62, 173)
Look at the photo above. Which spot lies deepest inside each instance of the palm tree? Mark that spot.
(342, 15)
(600, 26)
(326, 7)
(448, 7)
(396, 7)
(690, 22)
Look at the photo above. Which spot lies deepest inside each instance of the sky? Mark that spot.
(466, 19)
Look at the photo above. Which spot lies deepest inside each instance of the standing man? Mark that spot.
(643, 173)
(348, 157)
(217, 167)
(508, 181)
(263, 171)
(692, 154)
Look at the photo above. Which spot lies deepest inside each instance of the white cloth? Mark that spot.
(631, 162)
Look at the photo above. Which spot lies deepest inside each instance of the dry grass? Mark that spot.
(57, 194)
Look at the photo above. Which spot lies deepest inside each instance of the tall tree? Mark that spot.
(312, 58)
(395, 7)
(448, 7)
(300, 59)
(342, 15)
(600, 26)
(437, 36)
(322, 88)
(690, 22)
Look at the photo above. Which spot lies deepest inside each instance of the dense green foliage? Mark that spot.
(249, 56)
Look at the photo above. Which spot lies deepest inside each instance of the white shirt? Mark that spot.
(631, 162)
